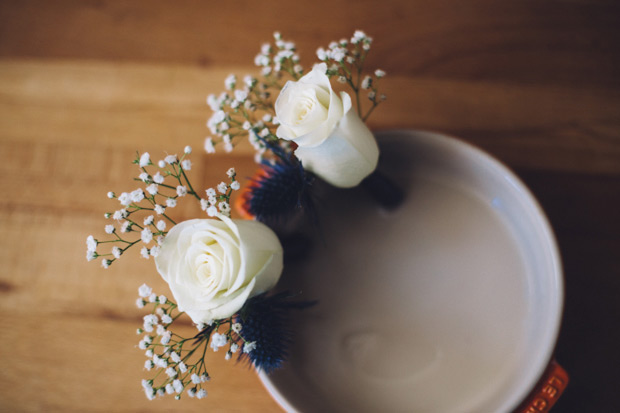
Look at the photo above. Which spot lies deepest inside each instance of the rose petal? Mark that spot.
(214, 265)
(348, 156)
(258, 247)
(317, 125)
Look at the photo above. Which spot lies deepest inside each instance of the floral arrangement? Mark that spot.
(221, 270)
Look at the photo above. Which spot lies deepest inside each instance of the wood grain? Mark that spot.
(527, 41)
(86, 84)
(126, 104)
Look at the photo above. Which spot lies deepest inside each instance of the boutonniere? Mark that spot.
(220, 271)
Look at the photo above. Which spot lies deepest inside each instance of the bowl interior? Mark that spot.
(451, 303)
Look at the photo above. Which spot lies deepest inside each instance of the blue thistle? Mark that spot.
(279, 190)
(265, 320)
(205, 333)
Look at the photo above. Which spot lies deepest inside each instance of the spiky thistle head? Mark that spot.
(265, 322)
(276, 192)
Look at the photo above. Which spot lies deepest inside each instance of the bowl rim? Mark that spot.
(548, 343)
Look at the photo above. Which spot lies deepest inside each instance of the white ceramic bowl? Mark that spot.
(451, 303)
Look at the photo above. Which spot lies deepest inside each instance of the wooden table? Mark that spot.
(84, 85)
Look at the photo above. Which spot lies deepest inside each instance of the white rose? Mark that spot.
(333, 142)
(213, 266)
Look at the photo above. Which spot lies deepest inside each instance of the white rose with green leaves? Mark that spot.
(214, 265)
(333, 142)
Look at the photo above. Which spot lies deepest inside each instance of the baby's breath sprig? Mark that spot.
(144, 214)
(218, 199)
(179, 362)
(247, 108)
(345, 60)
(275, 61)
(167, 352)
(244, 112)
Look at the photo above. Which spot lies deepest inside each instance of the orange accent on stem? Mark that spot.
(242, 202)
(547, 391)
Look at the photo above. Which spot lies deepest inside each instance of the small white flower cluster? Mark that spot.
(155, 200)
(249, 346)
(218, 199)
(345, 60)
(220, 340)
(361, 37)
(339, 52)
(165, 352)
(281, 58)
(91, 248)
(231, 111)
(91, 251)
(146, 295)
(246, 108)
(219, 124)
(168, 352)
(221, 121)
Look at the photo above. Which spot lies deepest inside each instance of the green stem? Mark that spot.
(169, 219)
(191, 189)
(133, 223)
(357, 91)
(122, 240)
(374, 105)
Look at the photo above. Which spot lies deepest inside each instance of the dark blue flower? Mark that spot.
(277, 191)
(265, 321)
